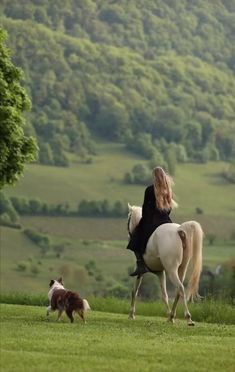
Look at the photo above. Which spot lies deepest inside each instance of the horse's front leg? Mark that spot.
(134, 295)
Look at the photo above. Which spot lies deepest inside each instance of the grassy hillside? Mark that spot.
(196, 185)
(111, 258)
(111, 342)
(119, 70)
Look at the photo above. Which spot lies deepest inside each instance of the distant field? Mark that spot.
(111, 342)
(99, 180)
(116, 228)
(110, 256)
(196, 185)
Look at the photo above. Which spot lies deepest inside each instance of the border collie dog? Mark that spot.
(63, 300)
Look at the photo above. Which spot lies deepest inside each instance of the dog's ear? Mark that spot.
(51, 283)
(60, 280)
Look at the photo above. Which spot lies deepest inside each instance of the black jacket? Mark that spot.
(152, 217)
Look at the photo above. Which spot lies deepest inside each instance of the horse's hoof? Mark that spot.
(191, 324)
(171, 320)
(132, 317)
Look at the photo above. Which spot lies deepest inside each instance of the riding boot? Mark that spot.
(141, 268)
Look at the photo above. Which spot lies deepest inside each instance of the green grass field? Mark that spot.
(111, 342)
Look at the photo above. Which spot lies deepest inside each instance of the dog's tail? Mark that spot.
(86, 305)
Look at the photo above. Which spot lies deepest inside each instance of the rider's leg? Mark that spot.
(141, 268)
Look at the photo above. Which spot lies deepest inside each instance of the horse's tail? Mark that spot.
(191, 235)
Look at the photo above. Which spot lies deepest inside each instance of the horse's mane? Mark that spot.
(135, 210)
(134, 215)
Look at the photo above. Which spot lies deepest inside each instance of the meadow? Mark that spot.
(111, 342)
(196, 185)
(110, 256)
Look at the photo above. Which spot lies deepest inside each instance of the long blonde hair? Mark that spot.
(163, 189)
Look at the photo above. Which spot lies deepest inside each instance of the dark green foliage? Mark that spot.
(149, 289)
(136, 72)
(94, 272)
(219, 283)
(211, 238)
(118, 291)
(8, 214)
(140, 174)
(101, 208)
(171, 160)
(22, 266)
(46, 154)
(24, 299)
(29, 267)
(15, 147)
(142, 144)
(25, 206)
(59, 249)
(229, 173)
(201, 27)
(43, 241)
(199, 210)
(232, 237)
(35, 207)
(34, 269)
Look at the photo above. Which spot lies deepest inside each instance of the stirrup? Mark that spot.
(139, 270)
(135, 273)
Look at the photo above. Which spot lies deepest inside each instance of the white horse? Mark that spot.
(170, 249)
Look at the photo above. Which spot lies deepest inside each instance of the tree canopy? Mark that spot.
(16, 148)
(121, 69)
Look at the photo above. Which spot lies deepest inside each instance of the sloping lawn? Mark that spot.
(111, 342)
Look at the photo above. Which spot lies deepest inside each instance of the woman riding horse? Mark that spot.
(158, 203)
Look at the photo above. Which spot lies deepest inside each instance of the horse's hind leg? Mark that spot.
(181, 273)
(181, 292)
(134, 295)
(162, 278)
(173, 309)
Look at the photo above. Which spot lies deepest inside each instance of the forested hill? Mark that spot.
(146, 72)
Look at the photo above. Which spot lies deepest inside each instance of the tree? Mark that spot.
(92, 66)
(46, 154)
(15, 148)
(171, 160)
(229, 173)
(7, 210)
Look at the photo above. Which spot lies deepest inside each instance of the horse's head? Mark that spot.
(134, 216)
